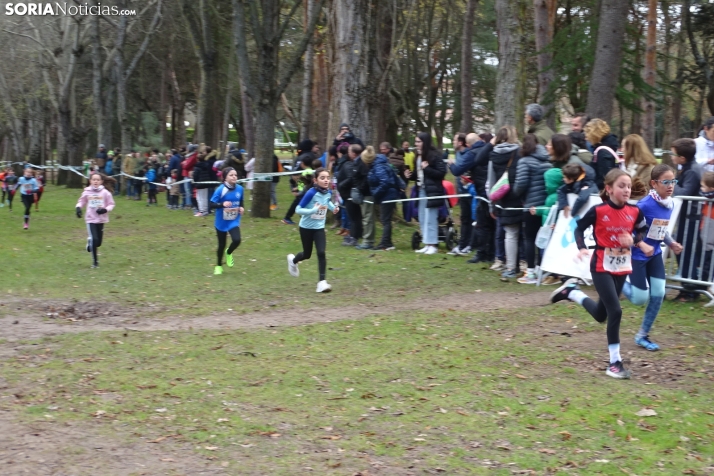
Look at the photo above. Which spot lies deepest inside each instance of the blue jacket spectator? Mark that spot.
(383, 180)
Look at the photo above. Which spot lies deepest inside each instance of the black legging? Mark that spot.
(354, 211)
(235, 242)
(10, 196)
(27, 200)
(308, 237)
(608, 308)
(531, 225)
(96, 234)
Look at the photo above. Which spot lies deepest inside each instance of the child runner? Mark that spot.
(313, 208)
(10, 185)
(4, 191)
(99, 200)
(229, 199)
(28, 193)
(657, 209)
(614, 223)
(40, 177)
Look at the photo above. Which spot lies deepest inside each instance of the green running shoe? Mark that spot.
(218, 270)
(229, 259)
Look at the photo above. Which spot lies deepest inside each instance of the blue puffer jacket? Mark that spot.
(383, 180)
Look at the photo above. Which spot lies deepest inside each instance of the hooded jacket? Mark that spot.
(604, 161)
(465, 163)
(383, 180)
(499, 158)
(553, 180)
(93, 199)
(583, 188)
(530, 183)
(345, 181)
(203, 171)
(359, 176)
(433, 176)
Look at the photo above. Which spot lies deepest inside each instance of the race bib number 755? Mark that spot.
(617, 260)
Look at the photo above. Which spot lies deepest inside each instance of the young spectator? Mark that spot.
(578, 183)
(688, 182)
(304, 161)
(277, 168)
(647, 281)
(597, 132)
(553, 181)
(174, 190)
(705, 145)
(345, 183)
(706, 227)
(151, 187)
(362, 166)
(530, 186)
(429, 174)
(639, 163)
(385, 186)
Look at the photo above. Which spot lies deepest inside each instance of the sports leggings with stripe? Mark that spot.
(235, 242)
(27, 201)
(96, 234)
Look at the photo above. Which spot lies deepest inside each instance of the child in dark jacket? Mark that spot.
(577, 182)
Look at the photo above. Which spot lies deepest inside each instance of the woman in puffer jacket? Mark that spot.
(530, 186)
(430, 172)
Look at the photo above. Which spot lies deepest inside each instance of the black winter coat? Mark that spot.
(235, 159)
(203, 172)
(530, 180)
(361, 171)
(603, 162)
(433, 177)
(499, 158)
(344, 178)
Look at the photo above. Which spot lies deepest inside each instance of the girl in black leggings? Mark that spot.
(614, 222)
(99, 200)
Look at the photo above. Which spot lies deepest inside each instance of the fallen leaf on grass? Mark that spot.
(546, 451)
(271, 434)
(331, 437)
(462, 413)
(167, 459)
(565, 435)
(521, 376)
(210, 448)
(646, 412)
(162, 438)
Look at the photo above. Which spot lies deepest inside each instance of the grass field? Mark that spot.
(440, 370)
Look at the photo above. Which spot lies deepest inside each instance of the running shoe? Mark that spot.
(432, 250)
(95, 265)
(218, 270)
(509, 274)
(422, 250)
(26, 226)
(386, 248)
(292, 267)
(617, 370)
(287, 221)
(464, 252)
(323, 287)
(229, 259)
(349, 241)
(561, 294)
(364, 246)
(646, 343)
(456, 251)
(89, 245)
(528, 278)
(496, 266)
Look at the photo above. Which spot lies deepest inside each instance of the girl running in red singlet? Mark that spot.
(614, 223)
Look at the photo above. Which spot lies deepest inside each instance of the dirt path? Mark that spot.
(36, 319)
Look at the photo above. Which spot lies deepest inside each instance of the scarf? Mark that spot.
(320, 189)
(98, 189)
(229, 187)
(704, 194)
(664, 202)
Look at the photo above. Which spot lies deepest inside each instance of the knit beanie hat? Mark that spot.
(306, 145)
(368, 155)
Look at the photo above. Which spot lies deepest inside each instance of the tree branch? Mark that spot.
(244, 70)
(285, 24)
(297, 55)
(145, 43)
(258, 33)
(699, 59)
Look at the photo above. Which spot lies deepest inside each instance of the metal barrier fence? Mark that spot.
(692, 224)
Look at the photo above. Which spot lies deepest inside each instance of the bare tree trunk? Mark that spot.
(678, 82)
(700, 59)
(608, 58)
(650, 74)
(249, 121)
(15, 123)
(636, 123)
(544, 11)
(305, 108)
(227, 108)
(466, 65)
(666, 68)
(510, 50)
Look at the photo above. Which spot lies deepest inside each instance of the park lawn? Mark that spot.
(161, 261)
(450, 392)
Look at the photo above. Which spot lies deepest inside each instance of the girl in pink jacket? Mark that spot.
(99, 201)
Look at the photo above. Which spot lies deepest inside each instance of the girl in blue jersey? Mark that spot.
(227, 200)
(28, 192)
(313, 209)
(657, 209)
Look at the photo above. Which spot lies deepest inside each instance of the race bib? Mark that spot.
(230, 214)
(321, 213)
(658, 229)
(617, 260)
(95, 201)
(27, 187)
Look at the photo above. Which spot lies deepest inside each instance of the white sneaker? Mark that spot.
(497, 265)
(465, 252)
(323, 287)
(423, 250)
(432, 250)
(455, 251)
(292, 267)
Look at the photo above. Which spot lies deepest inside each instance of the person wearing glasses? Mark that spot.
(647, 281)
(688, 181)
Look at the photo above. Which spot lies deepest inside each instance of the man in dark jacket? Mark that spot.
(384, 185)
(346, 135)
(462, 164)
(101, 156)
(345, 183)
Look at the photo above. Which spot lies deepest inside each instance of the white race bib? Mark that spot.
(95, 201)
(617, 260)
(230, 214)
(321, 213)
(658, 229)
(27, 187)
